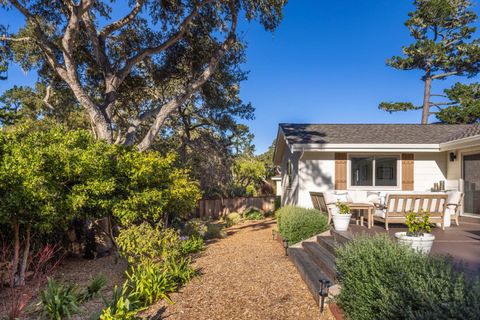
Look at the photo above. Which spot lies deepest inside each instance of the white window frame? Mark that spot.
(374, 156)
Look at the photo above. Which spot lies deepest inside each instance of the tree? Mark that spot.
(465, 106)
(443, 31)
(248, 172)
(79, 44)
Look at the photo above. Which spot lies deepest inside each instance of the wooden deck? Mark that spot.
(461, 243)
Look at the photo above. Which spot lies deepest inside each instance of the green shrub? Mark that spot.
(232, 219)
(59, 301)
(151, 282)
(195, 228)
(382, 279)
(191, 245)
(214, 231)
(253, 214)
(180, 270)
(146, 243)
(297, 224)
(93, 289)
(124, 305)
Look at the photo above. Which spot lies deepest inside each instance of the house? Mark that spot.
(378, 157)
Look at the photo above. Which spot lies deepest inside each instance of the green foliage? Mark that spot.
(397, 106)
(151, 282)
(124, 305)
(465, 106)
(247, 173)
(144, 243)
(195, 228)
(343, 207)
(382, 279)
(232, 219)
(58, 301)
(297, 224)
(253, 214)
(93, 289)
(180, 270)
(417, 225)
(214, 231)
(191, 245)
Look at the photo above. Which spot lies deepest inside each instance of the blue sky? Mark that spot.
(324, 64)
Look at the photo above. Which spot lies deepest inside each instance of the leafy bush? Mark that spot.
(180, 270)
(146, 243)
(297, 224)
(151, 282)
(58, 301)
(124, 305)
(214, 231)
(253, 214)
(195, 228)
(232, 219)
(382, 279)
(191, 245)
(93, 289)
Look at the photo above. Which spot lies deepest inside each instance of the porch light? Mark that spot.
(323, 293)
(453, 156)
(285, 245)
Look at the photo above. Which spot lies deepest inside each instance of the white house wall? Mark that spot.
(428, 169)
(315, 172)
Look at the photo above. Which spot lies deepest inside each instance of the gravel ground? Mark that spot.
(244, 276)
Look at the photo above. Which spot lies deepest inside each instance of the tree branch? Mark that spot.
(205, 75)
(443, 75)
(47, 97)
(22, 39)
(107, 30)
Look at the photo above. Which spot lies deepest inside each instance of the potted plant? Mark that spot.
(418, 235)
(341, 216)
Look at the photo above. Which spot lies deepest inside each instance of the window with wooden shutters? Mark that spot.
(407, 171)
(340, 171)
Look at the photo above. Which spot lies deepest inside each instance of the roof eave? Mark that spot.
(370, 147)
(473, 141)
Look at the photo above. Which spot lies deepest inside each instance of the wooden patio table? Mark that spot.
(369, 207)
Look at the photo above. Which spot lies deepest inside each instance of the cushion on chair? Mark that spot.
(373, 197)
(379, 213)
(451, 209)
(342, 196)
(329, 198)
(454, 197)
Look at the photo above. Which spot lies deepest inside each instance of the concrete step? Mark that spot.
(308, 270)
(322, 258)
(328, 243)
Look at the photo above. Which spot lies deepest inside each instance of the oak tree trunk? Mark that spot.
(16, 251)
(26, 253)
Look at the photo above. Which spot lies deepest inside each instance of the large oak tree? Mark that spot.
(78, 45)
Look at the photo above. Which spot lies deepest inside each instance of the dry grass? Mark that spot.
(244, 276)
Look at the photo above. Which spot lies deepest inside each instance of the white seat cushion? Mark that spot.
(454, 197)
(373, 197)
(329, 198)
(379, 213)
(342, 196)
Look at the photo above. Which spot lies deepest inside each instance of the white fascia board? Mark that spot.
(329, 147)
(461, 143)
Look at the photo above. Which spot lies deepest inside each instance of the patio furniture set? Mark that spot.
(393, 208)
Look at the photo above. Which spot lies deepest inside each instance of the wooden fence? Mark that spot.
(216, 208)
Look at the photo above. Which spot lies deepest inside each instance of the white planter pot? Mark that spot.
(421, 244)
(341, 221)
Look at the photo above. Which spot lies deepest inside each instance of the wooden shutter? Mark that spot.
(407, 171)
(340, 171)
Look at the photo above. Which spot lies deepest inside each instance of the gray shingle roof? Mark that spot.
(376, 133)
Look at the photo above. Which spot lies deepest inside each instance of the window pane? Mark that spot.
(362, 171)
(386, 171)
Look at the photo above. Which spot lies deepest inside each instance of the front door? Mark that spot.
(471, 176)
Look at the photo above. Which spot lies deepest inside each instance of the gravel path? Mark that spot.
(244, 276)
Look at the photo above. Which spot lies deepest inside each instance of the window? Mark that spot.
(378, 171)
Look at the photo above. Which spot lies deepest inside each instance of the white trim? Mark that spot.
(397, 187)
(462, 178)
(460, 143)
(336, 147)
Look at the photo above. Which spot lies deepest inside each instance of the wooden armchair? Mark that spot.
(323, 203)
(399, 205)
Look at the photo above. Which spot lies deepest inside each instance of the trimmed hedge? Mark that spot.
(382, 279)
(297, 224)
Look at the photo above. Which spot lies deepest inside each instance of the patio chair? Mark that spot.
(324, 202)
(454, 204)
(399, 205)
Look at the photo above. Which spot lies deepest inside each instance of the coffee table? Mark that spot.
(364, 206)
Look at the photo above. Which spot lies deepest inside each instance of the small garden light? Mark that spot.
(285, 245)
(274, 233)
(323, 293)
